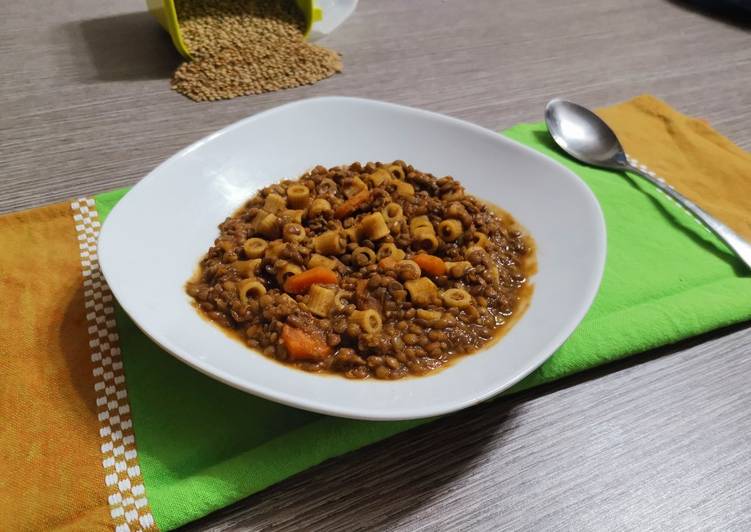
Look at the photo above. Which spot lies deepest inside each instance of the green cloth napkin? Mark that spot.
(203, 445)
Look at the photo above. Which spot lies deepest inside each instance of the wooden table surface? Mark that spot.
(661, 441)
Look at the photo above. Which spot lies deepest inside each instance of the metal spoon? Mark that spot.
(584, 136)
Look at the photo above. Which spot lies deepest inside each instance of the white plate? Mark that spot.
(154, 237)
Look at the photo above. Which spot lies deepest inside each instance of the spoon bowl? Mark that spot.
(583, 134)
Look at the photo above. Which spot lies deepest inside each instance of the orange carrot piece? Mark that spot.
(301, 282)
(352, 204)
(430, 264)
(303, 346)
(387, 263)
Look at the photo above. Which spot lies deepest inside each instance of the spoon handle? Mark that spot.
(741, 248)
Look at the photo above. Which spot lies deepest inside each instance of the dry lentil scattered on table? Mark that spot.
(242, 47)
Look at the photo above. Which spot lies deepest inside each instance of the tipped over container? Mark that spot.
(321, 18)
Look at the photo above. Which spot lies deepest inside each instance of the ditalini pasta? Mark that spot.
(367, 270)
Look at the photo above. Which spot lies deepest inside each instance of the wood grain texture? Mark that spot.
(86, 106)
(659, 442)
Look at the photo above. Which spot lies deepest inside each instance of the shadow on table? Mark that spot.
(410, 470)
(734, 12)
(400, 475)
(128, 47)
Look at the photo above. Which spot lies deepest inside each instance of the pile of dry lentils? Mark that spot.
(242, 47)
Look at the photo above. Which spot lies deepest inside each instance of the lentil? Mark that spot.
(363, 321)
(242, 47)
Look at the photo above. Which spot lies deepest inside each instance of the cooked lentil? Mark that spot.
(315, 303)
(242, 47)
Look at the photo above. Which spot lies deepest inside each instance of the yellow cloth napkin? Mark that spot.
(52, 466)
(706, 167)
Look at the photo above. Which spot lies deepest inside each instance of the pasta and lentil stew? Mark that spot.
(375, 270)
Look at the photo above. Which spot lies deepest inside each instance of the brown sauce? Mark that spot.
(367, 317)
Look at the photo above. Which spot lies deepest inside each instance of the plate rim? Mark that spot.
(310, 403)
